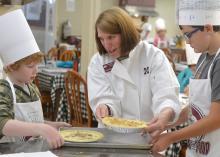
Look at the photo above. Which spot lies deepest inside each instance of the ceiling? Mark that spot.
(139, 7)
(141, 11)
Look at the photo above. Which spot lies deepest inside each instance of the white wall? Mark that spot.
(105, 4)
(83, 23)
(74, 17)
(80, 25)
(166, 10)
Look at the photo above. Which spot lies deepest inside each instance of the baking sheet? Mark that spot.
(113, 140)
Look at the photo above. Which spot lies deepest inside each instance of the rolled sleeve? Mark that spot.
(166, 100)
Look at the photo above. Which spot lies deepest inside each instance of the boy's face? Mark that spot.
(199, 40)
(25, 73)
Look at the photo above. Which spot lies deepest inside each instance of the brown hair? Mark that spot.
(117, 21)
(36, 57)
(216, 28)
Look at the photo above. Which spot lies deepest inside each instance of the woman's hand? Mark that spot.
(102, 111)
(155, 127)
(158, 124)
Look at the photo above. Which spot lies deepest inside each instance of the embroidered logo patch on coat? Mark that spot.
(108, 67)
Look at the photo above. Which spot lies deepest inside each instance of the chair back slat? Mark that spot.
(77, 98)
(46, 101)
(67, 55)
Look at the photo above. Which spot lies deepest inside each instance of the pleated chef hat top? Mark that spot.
(198, 12)
(17, 40)
(160, 24)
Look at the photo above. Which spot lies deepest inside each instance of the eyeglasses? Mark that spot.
(188, 35)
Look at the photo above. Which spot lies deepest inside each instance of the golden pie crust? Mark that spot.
(81, 135)
(123, 123)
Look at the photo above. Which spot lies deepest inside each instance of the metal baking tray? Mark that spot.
(113, 140)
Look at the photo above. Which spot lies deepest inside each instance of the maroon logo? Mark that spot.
(196, 143)
(201, 147)
(108, 67)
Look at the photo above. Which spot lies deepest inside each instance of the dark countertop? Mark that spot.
(69, 151)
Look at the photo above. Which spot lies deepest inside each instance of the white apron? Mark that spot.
(200, 100)
(28, 112)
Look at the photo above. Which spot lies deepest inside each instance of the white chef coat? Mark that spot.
(200, 100)
(138, 89)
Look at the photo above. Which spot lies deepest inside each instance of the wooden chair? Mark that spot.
(67, 55)
(45, 101)
(53, 54)
(77, 98)
(183, 151)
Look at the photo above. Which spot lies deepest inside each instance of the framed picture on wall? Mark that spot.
(35, 13)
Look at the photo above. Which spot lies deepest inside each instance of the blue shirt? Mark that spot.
(183, 78)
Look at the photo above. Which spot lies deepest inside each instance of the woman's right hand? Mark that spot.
(102, 111)
(52, 136)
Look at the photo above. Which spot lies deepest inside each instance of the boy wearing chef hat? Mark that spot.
(186, 74)
(21, 113)
(160, 39)
(200, 24)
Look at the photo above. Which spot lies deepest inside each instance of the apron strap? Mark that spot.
(202, 66)
(212, 63)
(12, 89)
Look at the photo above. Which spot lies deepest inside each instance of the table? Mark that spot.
(67, 151)
(54, 82)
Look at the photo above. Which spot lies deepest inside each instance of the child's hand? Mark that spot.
(52, 136)
(162, 143)
(155, 127)
(58, 125)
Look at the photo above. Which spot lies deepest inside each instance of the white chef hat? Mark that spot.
(191, 56)
(160, 24)
(198, 12)
(17, 40)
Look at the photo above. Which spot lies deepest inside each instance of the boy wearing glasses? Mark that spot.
(200, 24)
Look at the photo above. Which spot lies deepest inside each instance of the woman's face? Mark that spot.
(111, 43)
(198, 40)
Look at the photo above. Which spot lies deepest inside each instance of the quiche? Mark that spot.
(123, 123)
(81, 135)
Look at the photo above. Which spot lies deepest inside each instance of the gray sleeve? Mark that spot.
(215, 80)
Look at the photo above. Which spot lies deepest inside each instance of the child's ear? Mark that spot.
(9, 68)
